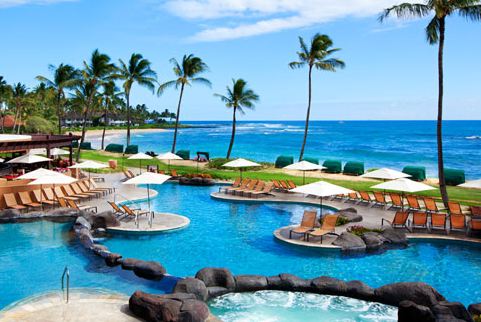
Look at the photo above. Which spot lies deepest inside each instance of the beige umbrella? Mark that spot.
(89, 165)
(475, 184)
(53, 179)
(39, 173)
(29, 159)
(304, 166)
(241, 164)
(140, 156)
(167, 157)
(385, 174)
(148, 178)
(322, 189)
(57, 151)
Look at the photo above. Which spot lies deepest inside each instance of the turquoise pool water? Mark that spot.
(234, 235)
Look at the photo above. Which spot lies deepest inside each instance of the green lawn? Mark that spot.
(466, 196)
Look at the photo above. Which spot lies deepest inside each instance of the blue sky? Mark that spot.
(391, 72)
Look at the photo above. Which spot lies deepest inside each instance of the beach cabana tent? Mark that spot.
(29, 159)
(241, 164)
(475, 184)
(304, 166)
(167, 157)
(322, 189)
(385, 174)
(140, 156)
(148, 178)
(404, 185)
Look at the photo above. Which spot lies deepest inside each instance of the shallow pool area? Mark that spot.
(277, 306)
(234, 235)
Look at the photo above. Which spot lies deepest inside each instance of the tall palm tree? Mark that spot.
(137, 71)
(19, 93)
(64, 77)
(110, 97)
(5, 90)
(98, 70)
(435, 34)
(316, 56)
(186, 72)
(238, 97)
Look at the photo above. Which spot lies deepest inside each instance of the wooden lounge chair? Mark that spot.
(266, 191)
(284, 185)
(250, 186)
(308, 223)
(259, 187)
(39, 197)
(413, 202)
(438, 221)
(236, 184)
(63, 203)
(328, 227)
(50, 194)
(457, 222)
(430, 204)
(92, 185)
(474, 225)
(174, 174)
(11, 202)
(291, 184)
(117, 211)
(128, 174)
(475, 210)
(400, 220)
(379, 199)
(72, 204)
(76, 188)
(454, 208)
(365, 197)
(60, 194)
(243, 185)
(352, 196)
(27, 200)
(133, 213)
(420, 220)
(277, 185)
(96, 192)
(396, 200)
(70, 193)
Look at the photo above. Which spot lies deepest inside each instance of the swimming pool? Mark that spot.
(221, 234)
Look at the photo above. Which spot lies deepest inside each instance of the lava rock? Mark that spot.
(457, 309)
(373, 240)
(359, 290)
(85, 238)
(409, 311)
(81, 222)
(99, 249)
(350, 214)
(395, 236)
(9, 214)
(128, 264)
(475, 309)
(112, 259)
(289, 282)
(103, 220)
(216, 277)
(250, 283)
(192, 286)
(149, 270)
(419, 293)
(328, 285)
(349, 242)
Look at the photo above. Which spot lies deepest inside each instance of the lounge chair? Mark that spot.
(72, 204)
(266, 191)
(379, 199)
(78, 191)
(11, 202)
(50, 194)
(174, 174)
(84, 188)
(328, 227)
(400, 220)
(236, 184)
(352, 196)
(259, 187)
(291, 184)
(70, 193)
(133, 213)
(365, 197)
(38, 195)
(284, 185)
(420, 220)
(250, 186)
(430, 204)
(457, 222)
(161, 171)
(396, 200)
(308, 223)
(27, 200)
(475, 210)
(413, 202)
(128, 174)
(60, 194)
(117, 211)
(91, 185)
(454, 208)
(277, 185)
(63, 203)
(474, 225)
(438, 221)
(243, 185)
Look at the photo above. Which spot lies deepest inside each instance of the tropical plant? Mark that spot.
(187, 73)
(137, 71)
(64, 77)
(110, 98)
(37, 124)
(5, 91)
(317, 55)
(435, 34)
(19, 94)
(237, 98)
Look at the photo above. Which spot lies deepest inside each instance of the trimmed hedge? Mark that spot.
(132, 149)
(417, 173)
(115, 148)
(354, 168)
(184, 154)
(283, 161)
(332, 166)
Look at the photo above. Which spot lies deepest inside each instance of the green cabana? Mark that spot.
(132, 149)
(417, 173)
(454, 177)
(86, 146)
(284, 160)
(115, 148)
(354, 168)
(311, 160)
(184, 154)
(332, 166)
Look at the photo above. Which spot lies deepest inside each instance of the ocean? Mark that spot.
(393, 144)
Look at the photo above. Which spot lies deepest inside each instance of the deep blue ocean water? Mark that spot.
(378, 144)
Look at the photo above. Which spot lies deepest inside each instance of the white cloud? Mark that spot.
(14, 3)
(257, 17)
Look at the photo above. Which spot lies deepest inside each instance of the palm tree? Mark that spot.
(316, 56)
(19, 93)
(238, 97)
(97, 71)
(435, 34)
(110, 97)
(186, 73)
(64, 77)
(5, 90)
(137, 71)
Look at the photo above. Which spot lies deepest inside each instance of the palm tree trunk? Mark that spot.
(127, 96)
(442, 181)
(59, 114)
(17, 108)
(84, 125)
(105, 127)
(177, 118)
(306, 128)
(231, 144)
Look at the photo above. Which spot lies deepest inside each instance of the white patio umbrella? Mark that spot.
(140, 156)
(53, 179)
(148, 178)
(29, 159)
(385, 174)
(322, 189)
(39, 173)
(89, 165)
(167, 157)
(1, 160)
(53, 152)
(475, 184)
(240, 164)
(41, 151)
(403, 185)
(304, 166)
(57, 151)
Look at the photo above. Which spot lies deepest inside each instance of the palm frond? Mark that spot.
(406, 11)
(432, 31)
(164, 86)
(202, 80)
(296, 64)
(472, 12)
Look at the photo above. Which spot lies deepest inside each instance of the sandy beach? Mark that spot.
(97, 133)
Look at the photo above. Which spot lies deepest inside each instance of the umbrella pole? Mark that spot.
(321, 208)
(303, 177)
(140, 166)
(148, 200)
(168, 165)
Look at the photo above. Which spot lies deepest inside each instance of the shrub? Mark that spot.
(361, 230)
(37, 124)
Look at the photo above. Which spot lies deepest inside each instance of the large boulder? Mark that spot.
(112, 259)
(350, 214)
(192, 286)
(103, 220)
(349, 242)
(81, 222)
(85, 237)
(395, 236)
(9, 215)
(359, 290)
(329, 286)
(373, 240)
(458, 310)
(216, 277)
(409, 311)
(168, 308)
(289, 282)
(475, 309)
(128, 264)
(419, 293)
(149, 270)
(250, 283)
